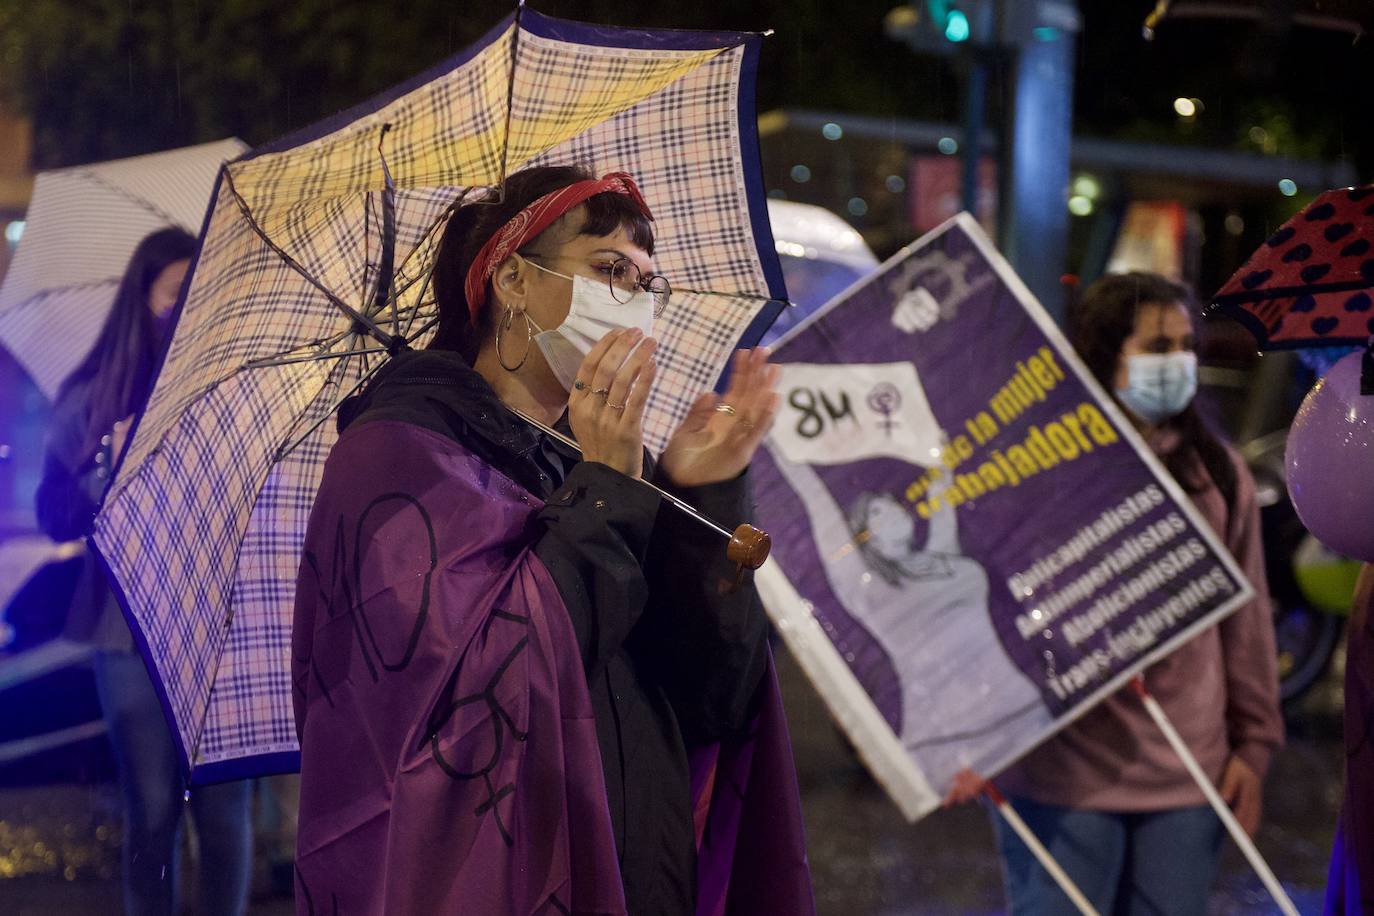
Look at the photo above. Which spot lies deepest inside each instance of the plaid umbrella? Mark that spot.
(314, 261)
(82, 225)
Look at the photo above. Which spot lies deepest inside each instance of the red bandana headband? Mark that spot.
(533, 220)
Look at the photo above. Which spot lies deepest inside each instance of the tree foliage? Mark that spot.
(109, 78)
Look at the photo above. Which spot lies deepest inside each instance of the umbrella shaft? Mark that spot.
(570, 443)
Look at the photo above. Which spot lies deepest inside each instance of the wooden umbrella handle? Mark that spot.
(749, 547)
(748, 550)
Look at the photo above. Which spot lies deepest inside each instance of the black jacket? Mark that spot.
(670, 661)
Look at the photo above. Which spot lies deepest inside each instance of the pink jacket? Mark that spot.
(1220, 690)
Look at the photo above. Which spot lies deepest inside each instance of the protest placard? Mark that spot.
(972, 545)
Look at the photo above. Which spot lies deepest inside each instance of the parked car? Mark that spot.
(821, 257)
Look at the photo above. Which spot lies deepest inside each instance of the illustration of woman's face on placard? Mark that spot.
(890, 528)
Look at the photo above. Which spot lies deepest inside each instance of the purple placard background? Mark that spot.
(962, 360)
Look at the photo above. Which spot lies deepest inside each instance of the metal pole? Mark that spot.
(975, 95)
(1247, 846)
(1034, 152)
(1042, 855)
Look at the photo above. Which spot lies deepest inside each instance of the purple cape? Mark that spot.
(449, 758)
(1350, 885)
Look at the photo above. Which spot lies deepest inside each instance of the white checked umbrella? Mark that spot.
(293, 303)
(82, 225)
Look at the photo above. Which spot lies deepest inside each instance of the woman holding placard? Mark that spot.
(1108, 797)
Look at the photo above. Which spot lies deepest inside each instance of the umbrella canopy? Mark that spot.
(314, 261)
(1309, 285)
(82, 225)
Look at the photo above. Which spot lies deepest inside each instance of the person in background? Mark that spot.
(91, 420)
(1107, 796)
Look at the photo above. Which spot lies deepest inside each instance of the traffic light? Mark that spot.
(943, 26)
(951, 26)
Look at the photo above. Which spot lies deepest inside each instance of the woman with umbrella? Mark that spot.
(522, 683)
(91, 420)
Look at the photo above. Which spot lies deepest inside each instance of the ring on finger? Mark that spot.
(602, 392)
(615, 406)
(726, 409)
(580, 385)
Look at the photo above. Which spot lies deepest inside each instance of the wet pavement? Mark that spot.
(867, 861)
(59, 844)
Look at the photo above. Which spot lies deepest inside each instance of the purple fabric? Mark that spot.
(448, 750)
(1350, 885)
(751, 860)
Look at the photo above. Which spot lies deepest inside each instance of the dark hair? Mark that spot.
(1099, 323)
(472, 224)
(116, 377)
(890, 571)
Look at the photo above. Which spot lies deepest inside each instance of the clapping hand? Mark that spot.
(719, 436)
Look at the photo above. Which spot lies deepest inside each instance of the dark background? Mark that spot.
(110, 78)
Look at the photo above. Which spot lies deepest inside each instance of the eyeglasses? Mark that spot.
(624, 278)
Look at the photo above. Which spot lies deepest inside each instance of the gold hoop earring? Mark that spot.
(505, 323)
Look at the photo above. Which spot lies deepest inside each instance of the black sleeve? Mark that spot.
(65, 504)
(709, 648)
(596, 531)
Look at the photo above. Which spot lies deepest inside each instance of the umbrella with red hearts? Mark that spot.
(1312, 282)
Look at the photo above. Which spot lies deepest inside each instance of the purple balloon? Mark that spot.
(1331, 462)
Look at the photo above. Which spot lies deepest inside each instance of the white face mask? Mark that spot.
(593, 314)
(1159, 385)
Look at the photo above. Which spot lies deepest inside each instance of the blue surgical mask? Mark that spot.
(1159, 385)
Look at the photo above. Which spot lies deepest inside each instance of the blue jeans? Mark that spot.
(150, 781)
(1158, 863)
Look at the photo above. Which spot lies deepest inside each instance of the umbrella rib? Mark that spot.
(362, 380)
(749, 296)
(386, 271)
(382, 337)
(420, 296)
(132, 198)
(367, 243)
(1282, 292)
(321, 353)
(572, 444)
(274, 361)
(46, 293)
(510, 94)
(399, 291)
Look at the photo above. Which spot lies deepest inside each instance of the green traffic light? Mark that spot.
(956, 26)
